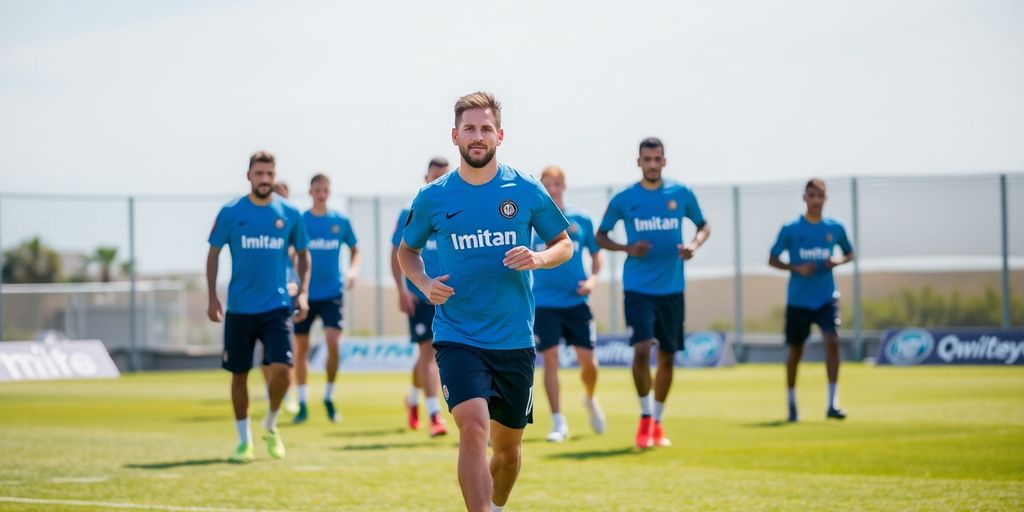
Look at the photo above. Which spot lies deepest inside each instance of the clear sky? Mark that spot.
(171, 96)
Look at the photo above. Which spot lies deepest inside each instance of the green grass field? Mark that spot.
(917, 439)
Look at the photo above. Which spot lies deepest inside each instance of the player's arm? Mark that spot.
(781, 245)
(355, 257)
(302, 265)
(559, 250)
(412, 265)
(214, 310)
(636, 249)
(703, 232)
(587, 285)
(405, 298)
(839, 260)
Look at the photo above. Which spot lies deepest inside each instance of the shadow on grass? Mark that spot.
(383, 446)
(201, 419)
(596, 454)
(768, 424)
(368, 433)
(180, 464)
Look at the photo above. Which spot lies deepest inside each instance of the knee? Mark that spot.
(508, 455)
(473, 430)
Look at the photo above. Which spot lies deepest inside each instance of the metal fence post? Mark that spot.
(738, 278)
(133, 356)
(1004, 223)
(858, 337)
(613, 284)
(378, 275)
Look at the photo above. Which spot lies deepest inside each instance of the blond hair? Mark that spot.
(479, 99)
(553, 171)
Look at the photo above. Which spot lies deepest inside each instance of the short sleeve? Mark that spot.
(350, 234)
(611, 216)
(547, 219)
(693, 210)
(221, 232)
(589, 240)
(396, 236)
(418, 226)
(781, 242)
(299, 238)
(842, 240)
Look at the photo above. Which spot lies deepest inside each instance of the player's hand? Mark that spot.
(437, 291)
(805, 269)
(302, 307)
(292, 288)
(638, 249)
(586, 286)
(520, 258)
(832, 263)
(406, 302)
(686, 250)
(350, 280)
(215, 311)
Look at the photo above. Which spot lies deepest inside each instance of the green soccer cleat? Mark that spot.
(242, 454)
(275, 446)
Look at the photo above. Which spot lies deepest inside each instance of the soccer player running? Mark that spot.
(482, 216)
(420, 311)
(562, 310)
(812, 296)
(258, 228)
(327, 230)
(653, 211)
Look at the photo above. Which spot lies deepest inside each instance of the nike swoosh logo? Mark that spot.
(634, 208)
(449, 215)
(507, 185)
(242, 222)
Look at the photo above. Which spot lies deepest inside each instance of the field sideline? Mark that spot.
(924, 438)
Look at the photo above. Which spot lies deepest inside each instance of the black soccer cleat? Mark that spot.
(835, 413)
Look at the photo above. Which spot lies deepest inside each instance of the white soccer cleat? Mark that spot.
(597, 420)
(558, 435)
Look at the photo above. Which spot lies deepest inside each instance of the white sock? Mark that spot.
(414, 396)
(496, 508)
(646, 404)
(833, 400)
(270, 422)
(433, 405)
(244, 432)
(329, 391)
(559, 420)
(791, 396)
(659, 408)
(303, 393)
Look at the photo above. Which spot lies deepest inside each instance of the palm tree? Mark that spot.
(105, 256)
(31, 262)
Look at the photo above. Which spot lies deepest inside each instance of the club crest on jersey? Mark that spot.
(508, 209)
(828, 237)
(444, 389)
(672, 204)
(279, 223)
(335, 229)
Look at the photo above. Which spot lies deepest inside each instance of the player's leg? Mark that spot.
(510, 412)
(828, 320)
(301, 369)
(412, 401)
(275, 331)
(475, 480)
(798, 327)
(239, 344)
(547, 332)
(581, 334)
(670, 313)
(333, 339)
(506, 461)
(639, 309)
(426, 367)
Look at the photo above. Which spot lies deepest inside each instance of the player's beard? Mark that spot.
(257, 188)
(652, 180)
(477, 163)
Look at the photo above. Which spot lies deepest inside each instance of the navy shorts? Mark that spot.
(273, 329)
(660, 317)
(799, 320)
(421, 322)
(329, 310)
(575, 325)
(502, 377)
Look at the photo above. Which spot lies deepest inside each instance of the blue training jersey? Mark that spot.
(429, 254)
(809, 242)
(326, 234)
(657, 217)
(258, 238)
(556, 287)
(475, 225)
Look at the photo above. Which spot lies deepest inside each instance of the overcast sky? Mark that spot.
(172, 96)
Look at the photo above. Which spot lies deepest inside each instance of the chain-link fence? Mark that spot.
(949, 247)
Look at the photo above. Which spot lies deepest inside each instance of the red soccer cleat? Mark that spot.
(645, 433)
(437, 426)
(658, 435)
(414, 415)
